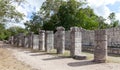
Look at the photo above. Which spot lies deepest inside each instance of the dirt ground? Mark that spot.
(43, 61)
(13, 58)
(8, 62)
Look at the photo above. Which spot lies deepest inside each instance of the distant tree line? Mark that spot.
(54, 13)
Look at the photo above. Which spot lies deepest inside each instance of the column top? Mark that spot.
(42, 31)
(60, 28)
(74, 29)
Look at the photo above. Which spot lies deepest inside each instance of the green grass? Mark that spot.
(65, 54)
(90, 56)
(110, 59)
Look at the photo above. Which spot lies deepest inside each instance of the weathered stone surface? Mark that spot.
(42, 40)
(100, 50)
(10, 40)
(75, 37)
(30, 39)
(22, 39)
(67, 40)
(113, 38)
(36, 42)
(60, 40)
(26, 41)
(49, 41)
(76, 43)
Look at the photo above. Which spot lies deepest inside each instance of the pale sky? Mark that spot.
(101, 7)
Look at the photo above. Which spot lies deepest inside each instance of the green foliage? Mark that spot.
(86, 18)
(16, 30)
(113, 21)
(4, 34)
(68, 13)
(48, 7)
(34, 24)
(8, 11)
(52, 23)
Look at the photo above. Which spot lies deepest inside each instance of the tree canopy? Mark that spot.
(8, 10)
(8, 13)
(69, 13)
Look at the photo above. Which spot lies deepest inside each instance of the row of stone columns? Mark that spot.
(47, 42)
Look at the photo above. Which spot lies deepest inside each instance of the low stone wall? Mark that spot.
(110, 50)
(113, 37)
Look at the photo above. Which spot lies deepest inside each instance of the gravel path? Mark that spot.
(43, 61)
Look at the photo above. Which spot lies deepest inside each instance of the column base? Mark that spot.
(100, 61)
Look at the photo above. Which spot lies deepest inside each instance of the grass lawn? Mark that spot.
(111, 58)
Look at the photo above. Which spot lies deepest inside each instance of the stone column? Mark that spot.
(36, 42)
(13, 40)
(49, 41)
(30, 40)
(10, 40)
(17, 40)
(32, 37)
(23, 40)
(20, 39)
(42, 40)
(76, 43)
(27, 41)
(100, 50)
(60, 40)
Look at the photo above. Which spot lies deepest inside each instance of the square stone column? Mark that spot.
(76, 43)
(27, 41)
(30, 40)
(36, 42)
(17, 40)
(42, 40)
(22, 39)
(14, 40)
(10, 40)
(60, 41)
(100, 50)
(49, 41)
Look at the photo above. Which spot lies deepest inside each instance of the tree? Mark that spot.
(72, 13)
(101, 23)
(113, 21)
(34, 24)
(44, 17)
(52, 23)
(49, 7)
(4, 34)
(68, 14)
(86, 18)
(16, 30)
(8, 11)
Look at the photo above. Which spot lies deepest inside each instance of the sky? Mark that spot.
(100, 7)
